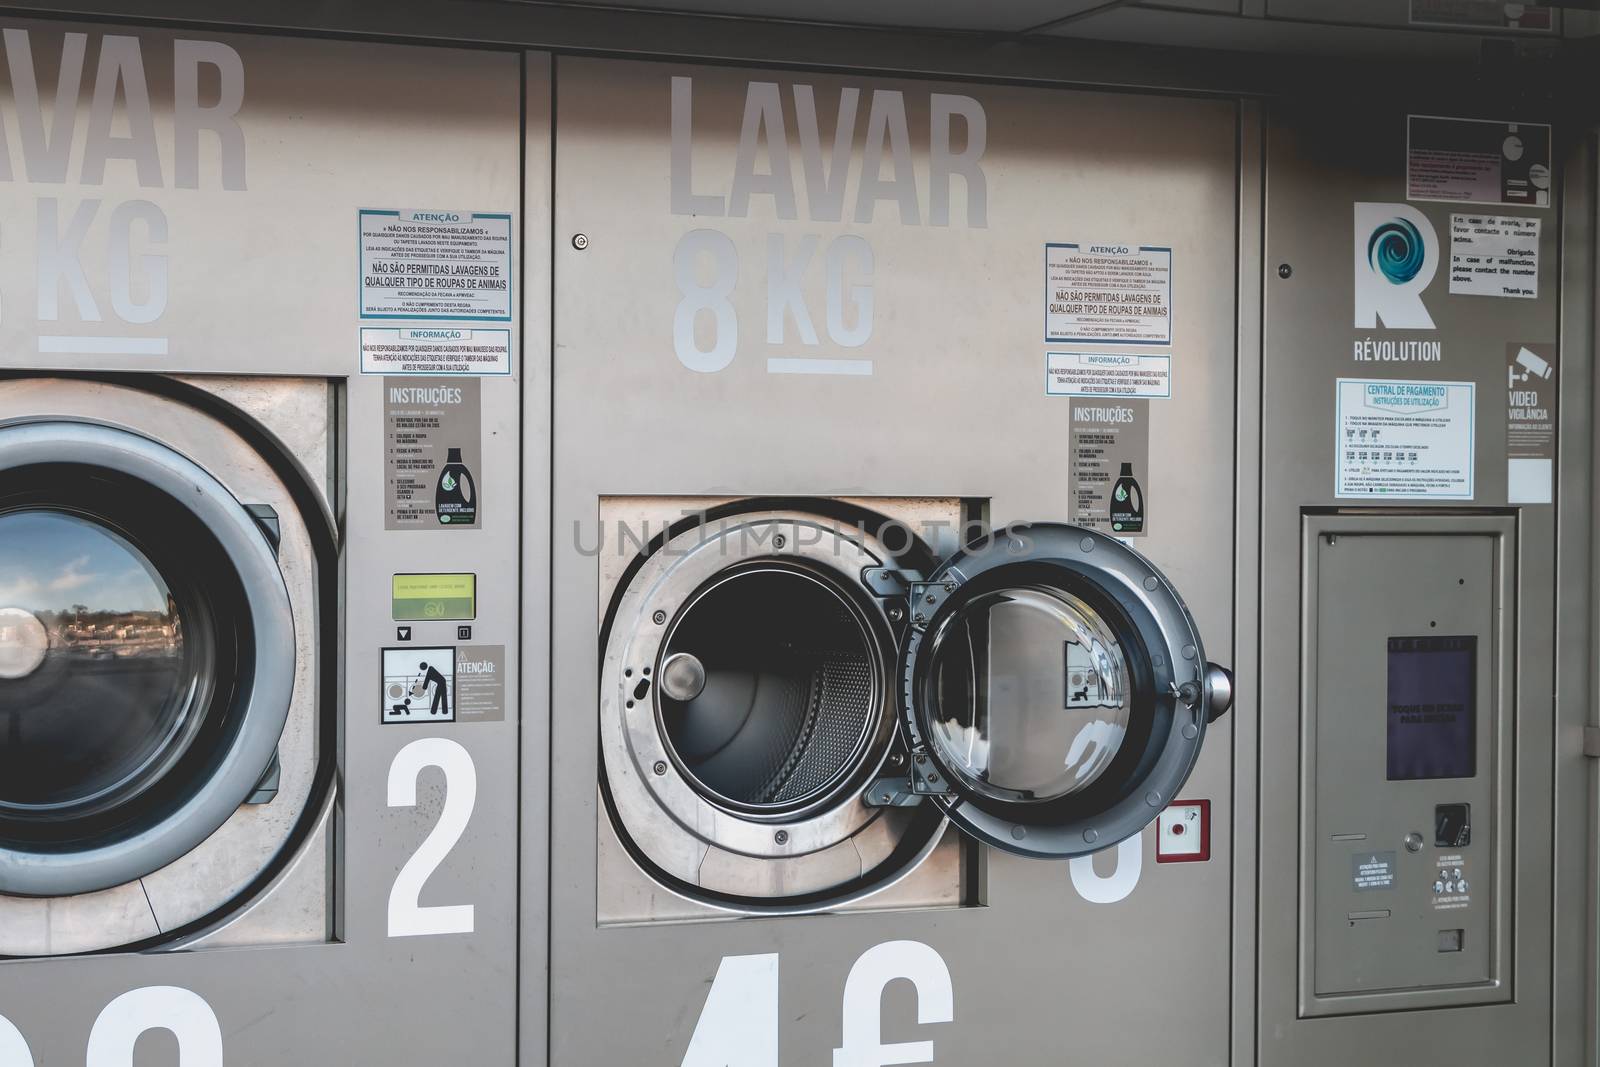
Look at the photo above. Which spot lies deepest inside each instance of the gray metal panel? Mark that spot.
(923, 14)
(956, 344)
(1244, 722)
(264, 281)
(1374, 948)
(1320, 162)
(1577, 967)
(533, 912)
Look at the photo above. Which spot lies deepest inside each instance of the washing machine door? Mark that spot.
(146, 656)
(1054, 690)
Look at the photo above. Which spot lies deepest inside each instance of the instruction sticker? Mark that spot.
(1108, 374)
(435, 265)
(1404, 439)
(432, 459)
(1108, 461)
(1494, 255)
(1471, 161)
(1372, 870)
(1109, 293)
(419, 685)
(481, 683)
(435, 350)
(1530, 423)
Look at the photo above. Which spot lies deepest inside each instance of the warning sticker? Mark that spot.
(435, 350)
(1372, 870)
(1404, 439)
(1111, 293)
(1530, 423)
(481, 683)
(1494, 255)
(1108, 458)
(1096, 374)
(1471, 161)
(419, 685)
(435, 265)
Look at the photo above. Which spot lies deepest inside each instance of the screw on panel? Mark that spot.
(1284, 270)
(580, 241)
(1087, 544)
(658, 617)
(896, 613)
(781, 837)
(1150, 583)
(779, 541)
(1091, 835)
(660, 767)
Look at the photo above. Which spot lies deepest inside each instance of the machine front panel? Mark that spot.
(749, 303)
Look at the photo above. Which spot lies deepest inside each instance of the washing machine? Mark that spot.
(168, 563)
(799, 696)
(258, 549)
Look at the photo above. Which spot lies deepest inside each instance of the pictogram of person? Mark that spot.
(441, 697)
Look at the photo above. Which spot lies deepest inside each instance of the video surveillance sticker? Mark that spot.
(419, 685)
(432, 453)
(1530, 423)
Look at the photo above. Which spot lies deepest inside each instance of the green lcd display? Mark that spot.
(425, 597)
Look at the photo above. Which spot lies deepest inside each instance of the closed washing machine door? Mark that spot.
(1054, 690)
(146, 656)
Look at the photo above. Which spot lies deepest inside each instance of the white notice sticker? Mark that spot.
(1494, 255)
(1105, 374)
(435, 350)
(435, 265)
(1404, 439)
(1110, 293)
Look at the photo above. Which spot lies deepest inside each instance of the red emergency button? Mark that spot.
(1183, 832)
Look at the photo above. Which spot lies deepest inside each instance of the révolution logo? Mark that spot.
(1396, 255)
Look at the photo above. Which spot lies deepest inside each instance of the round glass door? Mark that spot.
(1055, 690)
(97, 680)
(146, 657)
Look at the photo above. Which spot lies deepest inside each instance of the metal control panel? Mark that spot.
(1408, 715)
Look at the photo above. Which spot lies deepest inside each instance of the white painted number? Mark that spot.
(407, 917)
(1098, 890)
(712, 298)
(738, 1026)
(861, 1039)
(157, 1007)
(14, 1051)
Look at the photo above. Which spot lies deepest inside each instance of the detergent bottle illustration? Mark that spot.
(455, 500)
(1127, 503)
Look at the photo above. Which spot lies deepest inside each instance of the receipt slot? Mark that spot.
(1405, 813)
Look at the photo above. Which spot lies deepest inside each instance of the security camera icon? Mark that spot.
(1532, 366)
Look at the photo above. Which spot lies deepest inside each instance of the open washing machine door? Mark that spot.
(147, 655)
(1053, 690)
(791, 710)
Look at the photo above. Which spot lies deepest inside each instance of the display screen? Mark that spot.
(1432, 708)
